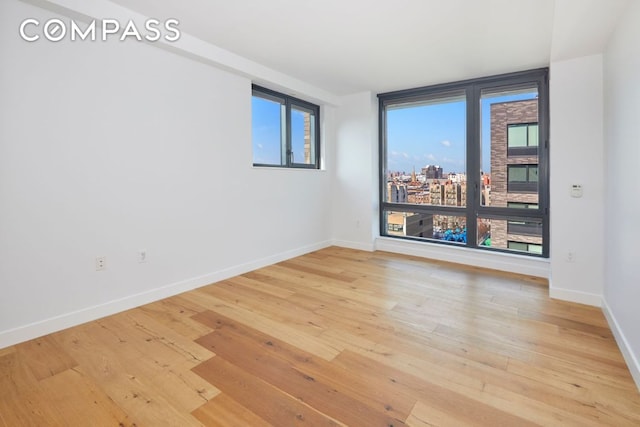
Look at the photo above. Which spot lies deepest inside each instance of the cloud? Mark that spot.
(457, 162)
(399, 154)
(446, 143)
(260, 146)
(430, 157)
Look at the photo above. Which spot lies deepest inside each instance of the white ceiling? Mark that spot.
(348, 46)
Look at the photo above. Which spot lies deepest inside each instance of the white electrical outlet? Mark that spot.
(571, 256)
(101, 263)
(142, 255)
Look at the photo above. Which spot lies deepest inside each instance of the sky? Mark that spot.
(266, 132)
(417, 135)
(435, 134)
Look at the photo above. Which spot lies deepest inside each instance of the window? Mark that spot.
(466, 163)
(522, 135)
(525, 247)
(285, 130)
(524, 228)
(522, 205)
(522, 139)
(522, 178)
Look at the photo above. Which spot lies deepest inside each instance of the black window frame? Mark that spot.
(289, 103)
(474, 209)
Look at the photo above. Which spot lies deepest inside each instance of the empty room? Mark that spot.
(348, 213)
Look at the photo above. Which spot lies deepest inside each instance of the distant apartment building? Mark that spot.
(514, 173)
(432, 172)
(307, 138)
(397, 193)
(410, 224)
(436, 194)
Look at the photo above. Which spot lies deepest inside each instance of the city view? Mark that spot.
(433, 136)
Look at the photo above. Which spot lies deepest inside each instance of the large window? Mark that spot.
(284, 130)
(466, 163)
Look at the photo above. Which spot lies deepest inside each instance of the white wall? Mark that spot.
(109, 148)
(576, 155)
(622, 118)
(355, 186)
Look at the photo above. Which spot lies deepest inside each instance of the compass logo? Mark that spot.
(55, 30)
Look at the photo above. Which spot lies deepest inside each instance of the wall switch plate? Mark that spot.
(576, 190)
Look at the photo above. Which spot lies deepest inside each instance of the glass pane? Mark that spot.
(517, 136)
(517, 174)
(302, 136)
(522, 205)
(509, 137)
(427, 226)
(533, 135)
(517, 234)
(266, 126)
(426, 152)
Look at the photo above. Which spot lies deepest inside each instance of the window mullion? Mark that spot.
(473, 165)
(287, 128)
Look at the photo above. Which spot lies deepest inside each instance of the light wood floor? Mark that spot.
(336, 337)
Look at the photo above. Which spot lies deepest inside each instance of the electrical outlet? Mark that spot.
(101, 263)
(142, 255)
(571, 256)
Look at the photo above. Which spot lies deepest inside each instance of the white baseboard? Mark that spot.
(369, 247)
(67, 320)
(575, 296)
(623, 344)
(538, 267)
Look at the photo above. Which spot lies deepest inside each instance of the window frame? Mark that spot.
(289, 103)
(473, 210)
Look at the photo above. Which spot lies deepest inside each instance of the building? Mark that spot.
(397, 193)
(436, 194)
(452, 194)
(432, 172)
(514, 172)
(409, 224)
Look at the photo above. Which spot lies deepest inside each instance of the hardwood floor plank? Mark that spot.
(77, 399)
(445, 399)
(223, 411)
(45, 357)
(334, 337)
(424, 415)
(260, 397)
(176, 315)
(316, 382)
(278, 309)
(262, 323)
(153, 383)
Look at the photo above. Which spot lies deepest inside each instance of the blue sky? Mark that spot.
(416, 135)
(435, 134)
(266, 131)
